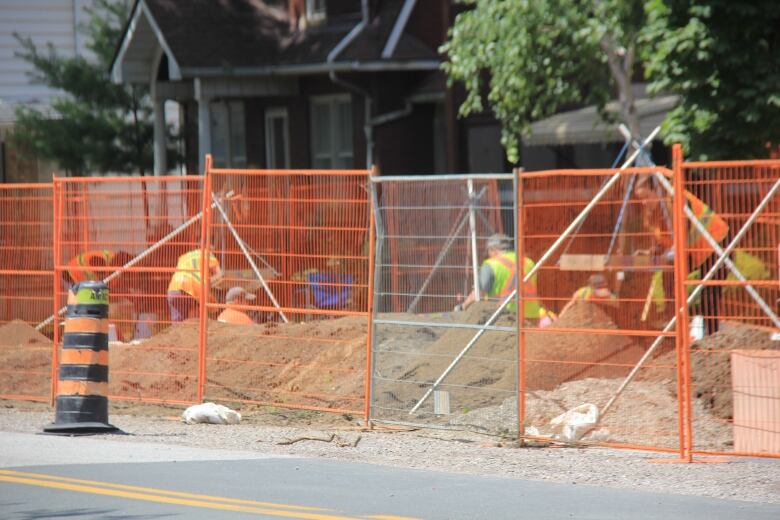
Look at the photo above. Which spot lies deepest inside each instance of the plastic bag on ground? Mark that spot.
(210, 413)
(574, 424)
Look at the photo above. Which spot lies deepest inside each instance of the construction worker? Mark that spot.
(498, 277)
(701, 255)
(597, 290)
(236, 296)
(186, 286)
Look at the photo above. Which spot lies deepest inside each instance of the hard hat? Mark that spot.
(499, 241)
(597, 281)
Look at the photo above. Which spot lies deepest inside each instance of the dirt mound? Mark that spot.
(18, 332)
(646, 413)
(318, 363)
(711, 363)
(25, 355)
(489, 371)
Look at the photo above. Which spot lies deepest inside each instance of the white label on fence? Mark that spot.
(582, 262)
(441, 402)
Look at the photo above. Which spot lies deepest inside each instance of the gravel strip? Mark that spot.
(755, 480)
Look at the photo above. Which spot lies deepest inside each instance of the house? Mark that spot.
(296, 84)
(44, 21)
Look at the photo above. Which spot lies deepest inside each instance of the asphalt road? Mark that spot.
(48, 477)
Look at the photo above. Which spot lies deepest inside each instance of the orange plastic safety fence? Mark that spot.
(25, 290)
(733, 361)
(287, 318)
(606, 294)
(131, 232)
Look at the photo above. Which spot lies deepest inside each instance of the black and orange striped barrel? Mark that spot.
(82, 386)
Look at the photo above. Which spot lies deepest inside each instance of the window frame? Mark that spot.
(332, 101)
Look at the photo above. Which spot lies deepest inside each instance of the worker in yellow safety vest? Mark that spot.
(236, 296)
(498, 277)
(701, 255)
(186, 286)
(597, 291)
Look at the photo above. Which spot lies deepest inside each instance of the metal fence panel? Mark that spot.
(737, 307)
(433, 366)
(299, 241)
(611, 299)
(136, 228)
(26, 279)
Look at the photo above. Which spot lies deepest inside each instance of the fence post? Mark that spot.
(370, 302)
(517, 185)
(204, 277)
(56, 256)
(681, 306)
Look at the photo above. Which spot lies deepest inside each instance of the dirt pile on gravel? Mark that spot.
(18, 333)
(319, 363)
(645, 414)
(25, 355)
(488, 372)
(711, 363)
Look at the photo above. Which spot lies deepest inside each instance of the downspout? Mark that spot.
(370, 123)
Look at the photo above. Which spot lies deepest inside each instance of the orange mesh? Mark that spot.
(298, 241)
(584, 355)
(25, 290)
(147, 223)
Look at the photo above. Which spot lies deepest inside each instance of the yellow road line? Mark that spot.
(155, 491)
(158, 498)
(391, 517)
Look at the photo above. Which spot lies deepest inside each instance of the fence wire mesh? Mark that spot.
(734, 361)
(26, 279)
(296, 243)
(130, 232)
(608, 298)
(432, 365)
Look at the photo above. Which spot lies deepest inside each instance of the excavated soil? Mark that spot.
(25, 355)
(711, 364)
(645, 414)
(488, 372)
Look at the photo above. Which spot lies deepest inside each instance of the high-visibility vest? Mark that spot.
(588, 294)
(699, 247)
(187, 276)
(235, 317)
(504, 269)
(83, 259)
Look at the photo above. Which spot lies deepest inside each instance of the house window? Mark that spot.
(315, 10)
(331, 127)
(277, 148)
(228, 134)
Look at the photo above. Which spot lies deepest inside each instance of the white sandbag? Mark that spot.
(210, 413)
(574, 424)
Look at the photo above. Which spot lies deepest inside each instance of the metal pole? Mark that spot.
(583, 214)
(473, 233)
(135, 260)
(722, 256)
(379, 239)
(248, 256)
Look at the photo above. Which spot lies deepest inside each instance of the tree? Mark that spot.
(96, 125)
(541, 56)
(723, 59)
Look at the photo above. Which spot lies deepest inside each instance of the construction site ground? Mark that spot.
(276, 432)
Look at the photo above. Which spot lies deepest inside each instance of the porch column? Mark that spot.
(160, 150)
(204, 125)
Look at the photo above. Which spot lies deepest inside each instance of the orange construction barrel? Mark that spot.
(82, 387)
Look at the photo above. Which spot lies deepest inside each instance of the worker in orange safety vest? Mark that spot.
(236, 296)
(701, 255)
(498, 277)
(186, 286)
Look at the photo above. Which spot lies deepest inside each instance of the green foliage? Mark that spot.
(97, 125)
(723, 59)
(533, 58)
